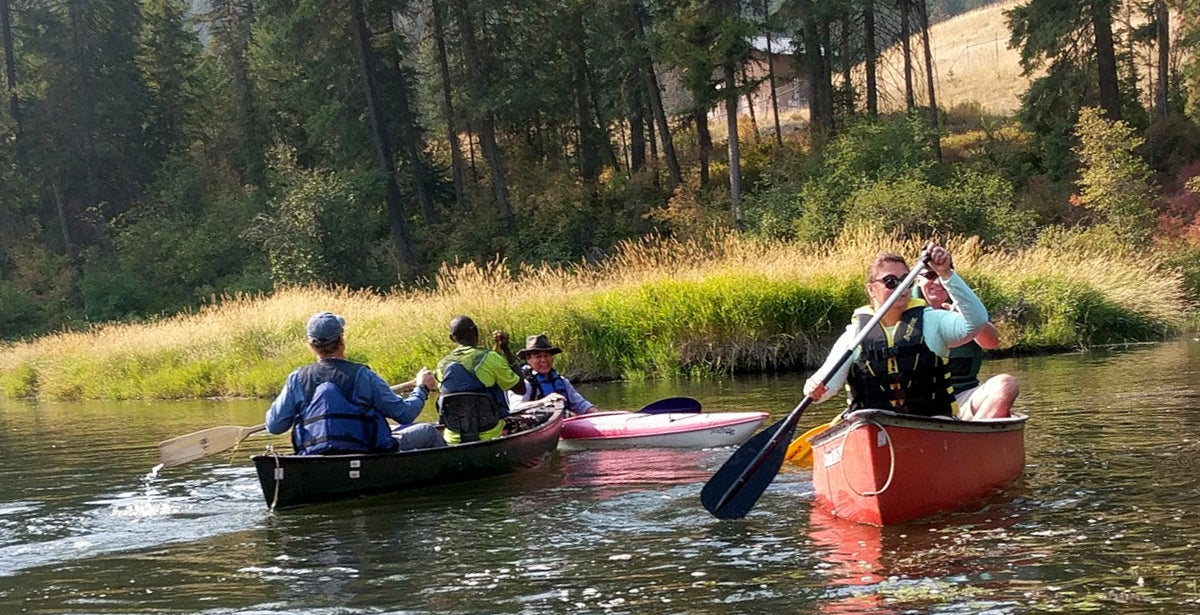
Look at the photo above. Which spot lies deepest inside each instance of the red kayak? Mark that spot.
(616, 429)
(882, 468)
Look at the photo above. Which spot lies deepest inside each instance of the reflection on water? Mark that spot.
(1105, 518)
(604, 473)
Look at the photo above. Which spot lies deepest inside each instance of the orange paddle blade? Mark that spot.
(799, 451)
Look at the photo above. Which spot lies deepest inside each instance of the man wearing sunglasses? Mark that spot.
(901, 364)
(992, 399)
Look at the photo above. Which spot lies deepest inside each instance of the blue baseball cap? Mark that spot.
(325, 327)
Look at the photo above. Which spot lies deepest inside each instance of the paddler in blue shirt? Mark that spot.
(542, 382)
(995, 396)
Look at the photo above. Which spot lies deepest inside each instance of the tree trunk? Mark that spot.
(824, 28)
(870, 53)
(74, 297)
(817, 68)
(383, 155)
(910, 98)
(10, 76)
(1162, 22)
(411, 143)
(603, 139)
(847, 88)
(735, 153)
(480, 81)
(652, 137)
(731, 10)
(637, 123)
(771, 76)
(589, 141)
(231, 29)
(664, 128)
(654, 96)
(1106, 60)
(704, 143)
(456, 157)
(750, 108)
(474, 163)
(83, 100)
(812, 68)
(923, 15)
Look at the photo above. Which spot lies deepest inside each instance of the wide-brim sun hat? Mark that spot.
(538, 343)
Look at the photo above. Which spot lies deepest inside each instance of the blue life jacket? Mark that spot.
(330, 423)
(542, 385)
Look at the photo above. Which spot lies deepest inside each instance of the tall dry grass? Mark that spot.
(656, 308)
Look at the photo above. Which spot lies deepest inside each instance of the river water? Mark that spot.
(1105, 519)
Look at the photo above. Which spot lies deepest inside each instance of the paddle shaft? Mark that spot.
(207, 442)
(404, 386)
(786, 427)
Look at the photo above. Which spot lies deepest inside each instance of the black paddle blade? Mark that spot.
(672, 404)
(737, 485)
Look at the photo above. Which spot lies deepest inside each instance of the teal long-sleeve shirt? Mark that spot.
(943, 329)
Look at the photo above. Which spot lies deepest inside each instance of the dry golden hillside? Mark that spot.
(971, 60)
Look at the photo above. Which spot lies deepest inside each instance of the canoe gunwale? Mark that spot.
(888, 418)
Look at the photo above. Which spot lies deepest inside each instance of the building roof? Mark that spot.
(780, 44)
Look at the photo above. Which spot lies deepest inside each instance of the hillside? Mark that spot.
(971, 59)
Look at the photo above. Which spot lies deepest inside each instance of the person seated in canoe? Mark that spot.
(992, 399)
(542, 382)
(472, 382)
(335, 406)
(901, 365)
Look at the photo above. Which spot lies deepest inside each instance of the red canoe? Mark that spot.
(882, 468)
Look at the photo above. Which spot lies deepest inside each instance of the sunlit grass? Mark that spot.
(656, 308)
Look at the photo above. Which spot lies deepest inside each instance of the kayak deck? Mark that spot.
(615, 429)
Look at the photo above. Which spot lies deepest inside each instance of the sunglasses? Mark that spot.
(889, 281)
(929, 274)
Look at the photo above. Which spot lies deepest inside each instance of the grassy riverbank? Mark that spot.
(657, 308)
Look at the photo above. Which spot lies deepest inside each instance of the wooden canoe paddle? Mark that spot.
(208, 442)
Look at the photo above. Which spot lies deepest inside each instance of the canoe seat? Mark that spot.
(468, 414)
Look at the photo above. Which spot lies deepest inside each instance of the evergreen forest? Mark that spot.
(157, 156)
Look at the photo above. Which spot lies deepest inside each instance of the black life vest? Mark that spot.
(330, 423)
(902, 375)
(965, 361)
(456, 374)
(465, 406)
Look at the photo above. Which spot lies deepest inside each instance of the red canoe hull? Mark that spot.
(882, 468)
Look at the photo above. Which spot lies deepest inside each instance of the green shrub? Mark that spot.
(1184, 259)
(20, 315)
(320, 228)
(1114, 182)
(111, 294)
(972, 204)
